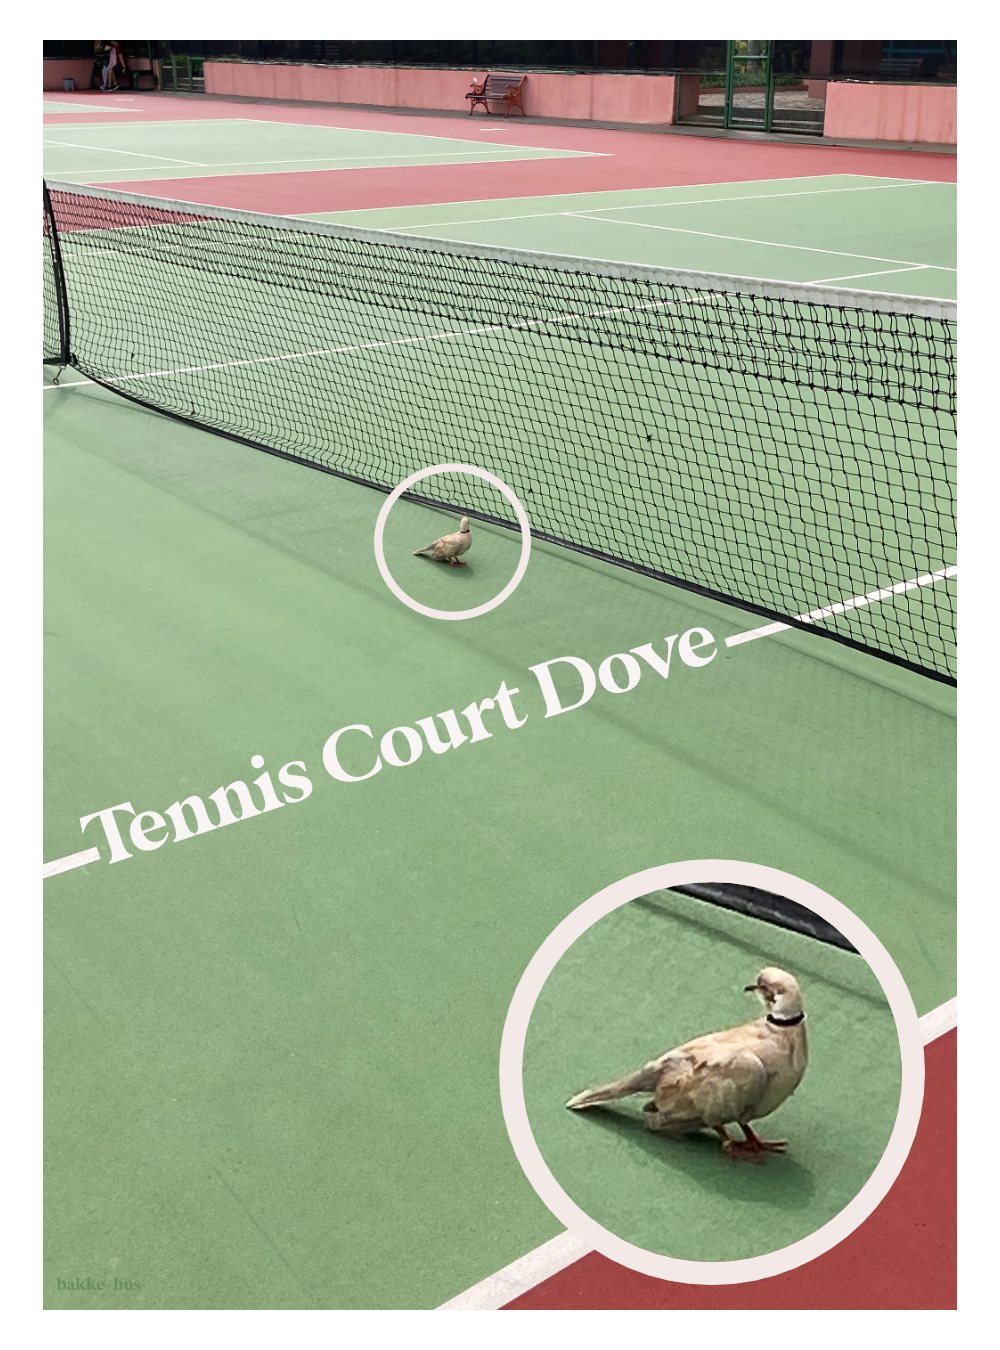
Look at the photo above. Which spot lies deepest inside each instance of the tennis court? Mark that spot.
(285, 1093)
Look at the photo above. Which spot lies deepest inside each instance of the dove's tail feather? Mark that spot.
(417, 551)
(643, 1081)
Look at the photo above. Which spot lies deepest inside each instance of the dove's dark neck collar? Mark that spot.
(465, 531)
(786, 1021)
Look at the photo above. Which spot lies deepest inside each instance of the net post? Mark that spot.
(62, 300)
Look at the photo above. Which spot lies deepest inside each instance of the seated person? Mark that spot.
(114, 66)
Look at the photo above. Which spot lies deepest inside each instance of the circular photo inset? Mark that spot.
(717, 1079)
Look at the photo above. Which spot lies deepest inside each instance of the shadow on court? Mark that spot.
(778, 1181)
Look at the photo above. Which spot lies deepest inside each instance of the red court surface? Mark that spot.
(628, 159)
(902, 1257)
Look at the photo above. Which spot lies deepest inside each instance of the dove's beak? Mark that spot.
(751, 988)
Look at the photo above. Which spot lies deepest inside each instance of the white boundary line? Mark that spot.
(411, 135)
(426, 156)
(939, 1021)
(67, 864)
(841, 606)
(537, 1266)
(476, 149)
(497, 1290)
(326, 166)
(177, 122)
(64, 110)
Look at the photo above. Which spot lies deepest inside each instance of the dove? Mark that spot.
(727, 1077)
(449, 546)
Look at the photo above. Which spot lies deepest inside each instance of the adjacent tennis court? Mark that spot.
(144, 151)
(272, 1051)
(826, 229)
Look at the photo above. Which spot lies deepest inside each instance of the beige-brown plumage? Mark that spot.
(450, 546)
(726, 1078)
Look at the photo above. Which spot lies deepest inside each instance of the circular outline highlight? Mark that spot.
(675, 1268)
(522, 520)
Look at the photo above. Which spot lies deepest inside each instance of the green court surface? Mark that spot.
(145, 151)
(658, 972)
(272, 1049)
(871, 233)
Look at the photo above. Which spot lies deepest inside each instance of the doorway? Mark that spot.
(764, 86)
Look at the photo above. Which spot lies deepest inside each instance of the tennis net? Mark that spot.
(787, 449)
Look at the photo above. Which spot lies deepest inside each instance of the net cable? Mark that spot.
(769, 908)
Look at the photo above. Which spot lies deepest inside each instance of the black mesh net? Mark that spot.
(785, 455)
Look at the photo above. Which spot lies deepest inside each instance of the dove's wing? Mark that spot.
(712, 1080)
(730, 1090)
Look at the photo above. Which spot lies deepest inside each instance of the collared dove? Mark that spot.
(726, 1078)
(450, 546)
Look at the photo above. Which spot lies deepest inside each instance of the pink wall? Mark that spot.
(635, 99)
(53, 73)
(892, 112)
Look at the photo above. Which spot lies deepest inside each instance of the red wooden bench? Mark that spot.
(505, 89)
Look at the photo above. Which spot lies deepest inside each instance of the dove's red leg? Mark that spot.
(764, 1145)
(750, 1149)
(457, 562)
(735, 1148)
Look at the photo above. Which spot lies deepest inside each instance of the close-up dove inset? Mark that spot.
(727, 1077)
(450, 547)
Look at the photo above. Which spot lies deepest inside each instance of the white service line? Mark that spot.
(766, 243)
(88, 855)
(136, 154)
(842, 606)
(632, 206)
(886, 272)
(496, 1291)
